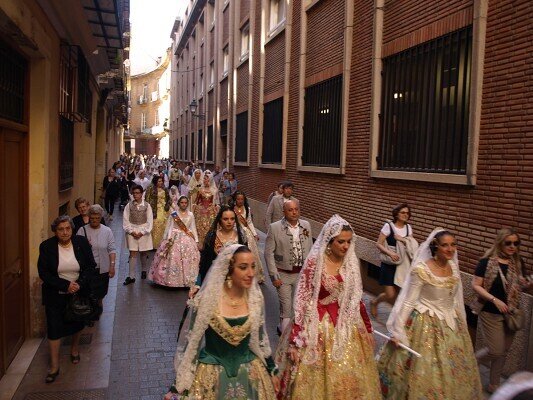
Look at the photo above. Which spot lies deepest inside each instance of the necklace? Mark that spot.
(336, 264)
(232, 302)
(65, 246)
(439, 265)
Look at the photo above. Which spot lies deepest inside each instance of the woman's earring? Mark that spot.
(328, 251)
(229, 283)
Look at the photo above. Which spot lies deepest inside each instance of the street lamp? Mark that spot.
(194, 107)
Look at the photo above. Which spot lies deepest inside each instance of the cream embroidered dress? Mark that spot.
(431, 320)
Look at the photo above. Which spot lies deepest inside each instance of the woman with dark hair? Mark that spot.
(158, 197)
(429, 317)
(244, 215)
(397, 230)
(224, 232)
(62, 259)
(82, 205)
(227, 354)
(111, 192)
(498, 281)
(327, 352)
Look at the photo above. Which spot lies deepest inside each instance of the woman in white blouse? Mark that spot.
(176, 261)
(429, 317)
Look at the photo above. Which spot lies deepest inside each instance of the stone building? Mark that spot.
(365, 105)
(150, 110)
(62, 116)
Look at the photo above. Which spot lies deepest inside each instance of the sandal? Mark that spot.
(51, 377)
(75, 359)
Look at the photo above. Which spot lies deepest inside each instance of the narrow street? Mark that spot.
(129, 353)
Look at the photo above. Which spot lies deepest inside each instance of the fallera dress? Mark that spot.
(204, 212)
(431, 321)
(177, 258)
(351, 376)
(227, 368)
(161, 220)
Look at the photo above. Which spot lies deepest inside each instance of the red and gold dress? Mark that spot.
(204, 212)
(350, 375)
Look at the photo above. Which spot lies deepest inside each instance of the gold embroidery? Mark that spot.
(445, 282)
(234, 335)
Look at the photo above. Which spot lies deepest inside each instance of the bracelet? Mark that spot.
(492, 300)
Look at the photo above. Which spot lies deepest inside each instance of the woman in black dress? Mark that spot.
(112, 191)
(62, 259)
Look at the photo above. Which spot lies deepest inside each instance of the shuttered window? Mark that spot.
(200, 147)
(241, 138)
(66, 153)
(13, 69)
(425, 106)
(323, 124)
(209, 155)
(273, 132)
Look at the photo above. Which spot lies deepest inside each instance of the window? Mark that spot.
(66, 153)
(225, 57)
(13, 69)
(143, 121)
(201, 84)
(245, 41)
(276, 14)
(323, 124)
(424, 106)
(192, 146)
(181, 148)
(209, 155)
(185, 152)
(273, 132)
(145, 92)
(200, 147)
(211, 74)
(156, 120)
(84, 91)
(241, 138)
(224, 128)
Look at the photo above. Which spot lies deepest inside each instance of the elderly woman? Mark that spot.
(62, 258)
(103, 245)
(82, 205)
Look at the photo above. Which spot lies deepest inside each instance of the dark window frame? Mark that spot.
(210, 144)
(13, 77)
(200, 145)
(272, 145)
(425, 102)
(322, 130)
(66, 153)
(241, 138)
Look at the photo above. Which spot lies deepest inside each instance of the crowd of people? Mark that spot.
(193, 228)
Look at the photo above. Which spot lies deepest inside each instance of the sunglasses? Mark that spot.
(508, 243)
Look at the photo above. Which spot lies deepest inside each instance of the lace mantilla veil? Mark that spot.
(203, 308)
(212, 186)
(306, 297)
(421, 256)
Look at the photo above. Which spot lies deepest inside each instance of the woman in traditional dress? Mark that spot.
(429, 317)
(224, 232)
(159, 199)
(228, 315)
(176, 261)
(206, 207)
(327, 352)
(194, 185)
(244, 215)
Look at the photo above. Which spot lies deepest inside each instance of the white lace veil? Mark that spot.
(193, 183)
(306, 297)
(203, 307)
(421, 256)
(212, 185)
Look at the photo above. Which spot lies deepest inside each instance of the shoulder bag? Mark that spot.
(514, 319)
(385, 258)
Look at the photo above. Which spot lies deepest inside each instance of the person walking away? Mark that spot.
(288, 243)
(112, 192)
(137, 223)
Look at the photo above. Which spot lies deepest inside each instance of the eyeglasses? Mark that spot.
(515, 243)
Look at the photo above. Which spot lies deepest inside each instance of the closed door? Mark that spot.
(12, 270)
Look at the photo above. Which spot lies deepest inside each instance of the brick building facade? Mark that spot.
(365, 105)
(150, 110)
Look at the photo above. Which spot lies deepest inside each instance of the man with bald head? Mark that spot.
(287, 245)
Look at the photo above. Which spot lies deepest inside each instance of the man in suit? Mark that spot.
(275, 210)
(288, 243)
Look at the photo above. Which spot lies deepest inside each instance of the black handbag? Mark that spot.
(80, 308)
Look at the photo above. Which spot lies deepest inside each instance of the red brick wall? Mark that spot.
(225, 25)
(242, 87)
(224, 100)
(325, 35)
(275, 64)
(245, 9)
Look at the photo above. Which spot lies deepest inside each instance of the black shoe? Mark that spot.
(51, 377)
(128, 281)
(143, 275)
(278, 331)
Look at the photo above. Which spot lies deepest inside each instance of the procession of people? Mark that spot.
(193, 228)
